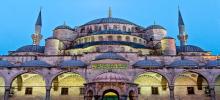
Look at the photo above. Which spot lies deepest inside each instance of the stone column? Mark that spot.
(212, 92)
(171, 88)
(97, 97)
(48, 93)
(7, 92)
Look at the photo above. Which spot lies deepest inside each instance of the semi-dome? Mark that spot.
(109, 20)
(63, 27)
(111, 31)
(184, 63)
(110, 55)
(110, 77)
(73, 63)
(31, 48)
(35, 63)
(147, 64)
(5, 63)
(213, 63)
(189, 48)
(155, 27)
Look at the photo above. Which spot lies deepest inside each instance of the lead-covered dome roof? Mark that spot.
(110, 77)
(110, 55)
(189, 48)
(73, 63)
(147, 64)
(213, 63)
(35, 63)
(31, 48)
(155, 27)
(109, 20)
(184, 63)
(63, 27)
(5, 63)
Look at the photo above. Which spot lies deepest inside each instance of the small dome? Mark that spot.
(5, 63)
(35, 63)
(31, 48)
(109, 20)
(111, 31)
(72, 63)
(189, 48)
(110, 55)
(147, 64)
(213, 63)
(155, 27)
(63, 27)
(110, 77)
(184, 63)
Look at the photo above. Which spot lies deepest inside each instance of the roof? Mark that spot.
(5, 63)
(184, 63)
(35, 63)
(111, 77)
(180, 18)
(72, 63)
(110, 55)
(39, 19)
(31, 48)
(131, 44)
(63, 27)
(213, 63)
(155, 27)
(189, 48)
(109, 20)
(111, 31)
(147, 64)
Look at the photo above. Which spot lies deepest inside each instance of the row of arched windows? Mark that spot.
(111, 38)
(96, 28)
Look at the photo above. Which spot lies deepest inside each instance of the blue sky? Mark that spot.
(202, 18)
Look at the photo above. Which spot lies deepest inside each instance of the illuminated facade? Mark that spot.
(109, 59)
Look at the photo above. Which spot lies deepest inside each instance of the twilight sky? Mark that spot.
(202, 18)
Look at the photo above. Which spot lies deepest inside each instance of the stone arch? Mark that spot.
(100, 92)
(27, 83)
(190, 84)
(192, 71)
(62, 72)
(67, 86)
(2, 85)
(152, 71)
(216, 85)
(152, 84)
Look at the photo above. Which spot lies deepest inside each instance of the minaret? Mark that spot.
(182, 33)
(36, 37)
(110, 12)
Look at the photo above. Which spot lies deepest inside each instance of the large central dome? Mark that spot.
(109, 20)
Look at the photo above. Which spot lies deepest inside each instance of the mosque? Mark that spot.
(110, 59)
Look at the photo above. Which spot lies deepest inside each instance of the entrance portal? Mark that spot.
(110, 95)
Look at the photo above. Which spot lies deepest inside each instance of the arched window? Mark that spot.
(100, 28)
(110, 38)
(105, 27)
(119, 38)
(110, 48)
(92, 38)
(101, 38)
(122, 49)
(128, 38)
(132, 29)
(86, 40)
(135, 39)
(140, 40)
(124, 28)
(115, 27)
(96, 28)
